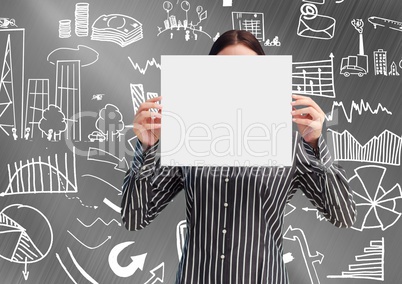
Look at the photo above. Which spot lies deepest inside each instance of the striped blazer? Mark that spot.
(235, 214)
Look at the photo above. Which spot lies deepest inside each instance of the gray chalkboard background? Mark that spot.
(53, 191)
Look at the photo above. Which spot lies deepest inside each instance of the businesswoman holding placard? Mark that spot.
(235, 214)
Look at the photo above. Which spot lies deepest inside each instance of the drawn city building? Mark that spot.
(393, 70)
(173, 22)
(380, 62)
(12, 52)
(251, 22)
(68, 95)
(37, 101)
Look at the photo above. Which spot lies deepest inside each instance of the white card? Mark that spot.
(229, 110)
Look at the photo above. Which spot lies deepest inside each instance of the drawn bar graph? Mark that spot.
(38, 176)
(315, 78)
(382, 149)
(370, 265)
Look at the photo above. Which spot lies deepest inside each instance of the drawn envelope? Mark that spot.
(313, 25)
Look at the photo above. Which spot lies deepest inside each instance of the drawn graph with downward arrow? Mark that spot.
(310, 259)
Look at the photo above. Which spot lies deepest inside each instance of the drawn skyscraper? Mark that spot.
(12, 47)
(68, 95)
(37, 101)
(380, 62)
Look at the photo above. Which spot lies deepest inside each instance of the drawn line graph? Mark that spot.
(99, 219)
(356, 107)
(149, 63)
(23, 179)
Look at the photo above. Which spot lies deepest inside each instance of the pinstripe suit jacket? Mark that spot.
(235, 214)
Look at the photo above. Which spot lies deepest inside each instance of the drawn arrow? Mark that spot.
(99, 155)
(157, 274)
(25, 272)
(108, 238)
(125, 271)
(297, 234)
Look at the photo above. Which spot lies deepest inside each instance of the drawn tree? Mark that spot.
(53, 122)
(110, 121)
(201, 15)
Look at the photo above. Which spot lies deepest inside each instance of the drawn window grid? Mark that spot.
(68, 94)
(38, 93)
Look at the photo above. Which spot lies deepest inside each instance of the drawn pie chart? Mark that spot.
(26, 235)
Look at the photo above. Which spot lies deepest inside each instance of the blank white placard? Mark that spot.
(231, 110)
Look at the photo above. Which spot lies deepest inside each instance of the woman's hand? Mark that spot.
(309, 119)
(147, 124)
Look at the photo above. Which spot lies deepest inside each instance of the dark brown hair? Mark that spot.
(233, 37)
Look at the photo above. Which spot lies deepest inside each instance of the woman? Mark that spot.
(235, 214)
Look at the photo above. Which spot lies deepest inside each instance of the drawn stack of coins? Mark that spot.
(81, 19)
(64, 28)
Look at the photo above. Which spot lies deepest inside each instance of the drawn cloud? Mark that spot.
(84, 54)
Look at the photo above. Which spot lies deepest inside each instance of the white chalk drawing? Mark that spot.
(158, 274)
(369, 265)
(355, 107)
(68, 63)
(252, 22)
(100, 220)
(138, 97)
(318, 214)
(109, 123)
(358, 64)
(7, 22)
(102, 156)
(65, 268)
(376, 207)
(112, 205)
(289, 209)
(84, 54)
(65, 28)
(216, 36)
(274, 42)
(27, 247)
(125, 271)
(313, 25)
(149, 63)
(80, 269)
(88, 247)
(320, 2)
(97, 97)
(7, 89)
(37, 101)
(119, 29)
(311, 260)
(393, 70)
(81, 19)
(79, 199)
(97, 136)
(382, 149)
(288, 257)
(380, 62)
(315, 78)
(52, 123)
(181, 231)
(385, 23)
(227, 3)
(172, 24)
(102, 180)
(54, 177)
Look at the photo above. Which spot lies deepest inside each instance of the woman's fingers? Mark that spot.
(148, 105)
(303, 100)
(307, 110)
